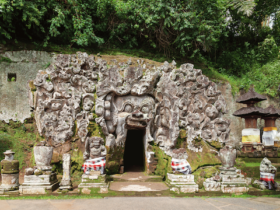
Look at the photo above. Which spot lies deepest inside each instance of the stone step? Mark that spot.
(138, 186)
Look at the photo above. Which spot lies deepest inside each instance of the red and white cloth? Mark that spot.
(181, 165)
(96, 164)
(267, 177)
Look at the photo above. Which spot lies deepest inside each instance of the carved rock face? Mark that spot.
(160, 100)
(138, 110)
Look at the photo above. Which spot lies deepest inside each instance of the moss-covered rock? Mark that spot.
(207, 157)
(206, 172)
(114, 159)
(164, 162)
(216, 144)
(181, 139)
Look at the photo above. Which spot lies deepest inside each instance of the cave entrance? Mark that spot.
(134, 154)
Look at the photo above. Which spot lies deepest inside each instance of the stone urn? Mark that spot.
(43, 156)
(228, 156)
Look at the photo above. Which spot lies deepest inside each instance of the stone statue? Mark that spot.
(94, 148)
(228, 156)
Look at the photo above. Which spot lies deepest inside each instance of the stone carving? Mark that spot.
(228, 156)
(159, 100)
(9, 172)
(230, 179)
(40, 179)
(66, 179)
(94, 148)
(64, 94)
(267, 174)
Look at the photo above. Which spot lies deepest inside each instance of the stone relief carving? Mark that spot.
(160, 100)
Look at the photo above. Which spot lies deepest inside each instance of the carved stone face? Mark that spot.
(137, 109)
(88, 104)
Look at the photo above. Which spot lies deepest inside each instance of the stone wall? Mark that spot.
(15, 95)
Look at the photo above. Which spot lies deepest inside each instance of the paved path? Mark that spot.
(147, 203)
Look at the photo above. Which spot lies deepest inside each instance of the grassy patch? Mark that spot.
(20, 139)
(252, 164)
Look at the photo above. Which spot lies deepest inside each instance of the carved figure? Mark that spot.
(94, 148)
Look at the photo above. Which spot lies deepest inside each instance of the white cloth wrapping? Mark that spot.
(268, 137)
(181, 165)
(96, 164)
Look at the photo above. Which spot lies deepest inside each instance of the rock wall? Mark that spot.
(17, 99)
(15, 95)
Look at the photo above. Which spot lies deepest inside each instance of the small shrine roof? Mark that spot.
(251, 95)
(246, 111)
(271, 111)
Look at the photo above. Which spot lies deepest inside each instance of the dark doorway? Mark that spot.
(134, 155)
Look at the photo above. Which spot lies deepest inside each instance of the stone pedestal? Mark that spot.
(182, 183)
(94, 180)
(9, 173)
(39, 184)
(66, 183)
(230, 180)
(9, 182)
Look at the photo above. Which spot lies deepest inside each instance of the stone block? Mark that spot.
(86, 191)
(9, 182)
(212, 186)
(38, 189)
(103, 190)
(184, 183)
(234, 189)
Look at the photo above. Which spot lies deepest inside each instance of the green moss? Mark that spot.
(216, 144)
(95, 130)
(206, 172)
(5, 59)
(205, 158)
(164, 162)
(32, 86)
(114, 159)
(181, 139)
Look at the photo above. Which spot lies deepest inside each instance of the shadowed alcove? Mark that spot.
(134, 157)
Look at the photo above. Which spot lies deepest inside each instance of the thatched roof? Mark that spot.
(251, 95)
(271, 111)
(245, 111)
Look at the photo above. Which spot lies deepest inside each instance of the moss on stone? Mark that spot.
(164, 162)
(32, 86)
(77, 161)
(206, 172)
(114, 159)
(216, 144)
(95, 130)
(181, 139)
(205, 158)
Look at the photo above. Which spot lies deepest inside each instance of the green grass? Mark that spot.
(252, 164)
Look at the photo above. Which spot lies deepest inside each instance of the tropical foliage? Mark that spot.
(233, 36)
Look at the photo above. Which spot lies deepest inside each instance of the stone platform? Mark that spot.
(39, 184)
(93, 180)
(181, 183)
